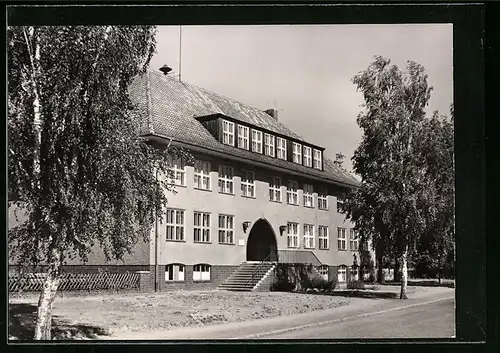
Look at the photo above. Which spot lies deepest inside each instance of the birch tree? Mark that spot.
(390, 207)
(76, 164)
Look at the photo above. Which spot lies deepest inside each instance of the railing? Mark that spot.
(298, 257)
(261, 265)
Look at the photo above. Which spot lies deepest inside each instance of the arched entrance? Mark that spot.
(262, 242)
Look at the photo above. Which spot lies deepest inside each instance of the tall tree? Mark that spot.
(77, 165)
(391, 205)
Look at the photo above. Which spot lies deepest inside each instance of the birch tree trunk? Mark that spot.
(404, 273)
(44, 319)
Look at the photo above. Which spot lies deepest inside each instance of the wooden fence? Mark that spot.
(33, 282)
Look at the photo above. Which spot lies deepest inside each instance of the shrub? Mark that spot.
(355, 285)
(322, 284)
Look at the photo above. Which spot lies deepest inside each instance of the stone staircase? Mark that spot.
(248, 276)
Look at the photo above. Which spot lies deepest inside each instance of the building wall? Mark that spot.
(243, 209)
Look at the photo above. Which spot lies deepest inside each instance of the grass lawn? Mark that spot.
(91, 316)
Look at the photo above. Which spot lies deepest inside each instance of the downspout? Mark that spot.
(156, 246)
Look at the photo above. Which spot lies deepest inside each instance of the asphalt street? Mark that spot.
(434, 320)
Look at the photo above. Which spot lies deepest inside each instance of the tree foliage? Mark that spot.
(402, 195)
(76, 162)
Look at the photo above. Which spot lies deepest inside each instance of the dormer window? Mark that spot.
(256, 141)
(307, 156)
(269, 144)
(243, 137)
(297, 152)
(281, 148)
(318, 160)
(227, 133)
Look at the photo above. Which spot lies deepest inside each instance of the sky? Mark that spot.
(305, 71)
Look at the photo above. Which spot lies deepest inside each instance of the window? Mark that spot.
(281, 148)
(175, 224)
(340, 206)
(248, 184)
(308, 195)
(269, 144)
(354, 271)
(307, 156)
(317, 159)
(226, 179)
(256, 141)
(323, 272)
(292, 193)
(174, 273)
(201, 227)
(275, 189)
(201, 273)
(308, 236)
(323, 200)
(293, 235)
(297, 152)
(341, 274)
(226, 229)
(202, 175)
(323, 237)
(178, 173)
(341, 239)
(353, 240)
(227, 133)
(243, 137)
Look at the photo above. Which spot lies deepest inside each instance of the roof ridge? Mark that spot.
(204, 90)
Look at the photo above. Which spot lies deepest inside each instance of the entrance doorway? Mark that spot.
(261, 244)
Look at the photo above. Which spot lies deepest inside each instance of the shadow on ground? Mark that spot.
(365, 294)
(424, 283)
(22, 319)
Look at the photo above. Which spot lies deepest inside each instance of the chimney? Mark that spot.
(273, 113)
(165, 69)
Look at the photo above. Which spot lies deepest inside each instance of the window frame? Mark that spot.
(202, 268)
(202, 175)
(281, 150)
(246, 185)
(290, 193)
(174, 226)
(353, 239)
(317, 162)
(225, 230)
(309, 195)
(292, 236)
(307, 157)
(202, 228)
(242, 139)
(342, 270)
(323, 237)
(175, 269)
(341, 240)
(309, 238)
(322, 269)
(225, 183)
(323, 200)
(229, 134)
(296, 152)
(268, 146)
(275, 190)
(257, 142)
(177, 168)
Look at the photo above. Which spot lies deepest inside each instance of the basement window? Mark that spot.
(201, 272)
(174, 272)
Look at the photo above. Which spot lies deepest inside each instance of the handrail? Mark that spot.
(254, 272)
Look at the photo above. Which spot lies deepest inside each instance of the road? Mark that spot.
(423, 317)
(435, 320)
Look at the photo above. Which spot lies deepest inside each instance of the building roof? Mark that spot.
(170, 108)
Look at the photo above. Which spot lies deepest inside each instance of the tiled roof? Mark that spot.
(173, 106)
